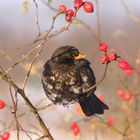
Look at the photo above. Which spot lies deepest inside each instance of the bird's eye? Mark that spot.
(68, 56)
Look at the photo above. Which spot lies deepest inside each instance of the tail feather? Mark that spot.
(91, 104)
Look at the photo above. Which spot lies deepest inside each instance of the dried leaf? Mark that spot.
(77, 24)
(25, 6)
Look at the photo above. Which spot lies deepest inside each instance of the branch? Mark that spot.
(86, 26)
(14, 112)
(46, 106)
(48, 5)
(98, 21)
(25, 56)
(130, 14)
(37, 17)
(7, 79)
(43, 41)
(31, 65)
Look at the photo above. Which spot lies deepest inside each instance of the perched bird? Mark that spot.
(66, 78)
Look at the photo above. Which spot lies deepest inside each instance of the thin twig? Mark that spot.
(31, 65)
(28, 131)
(45, 107)
(37, 17)
(111, 127)
(102, 78)
(25, 56)
(18, 126)
(52, 25)
(14, 112)
(130, 14)
(98, 21)
(43, 41)
(88, 28)
(40, 138)
(48, 5)
(121, 81)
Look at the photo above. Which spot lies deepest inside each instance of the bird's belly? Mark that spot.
(62, 87)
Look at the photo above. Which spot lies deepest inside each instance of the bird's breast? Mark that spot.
(63, 79)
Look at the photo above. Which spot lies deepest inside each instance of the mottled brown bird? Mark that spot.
(66, 78)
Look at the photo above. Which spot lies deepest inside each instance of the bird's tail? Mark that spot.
(91, 104)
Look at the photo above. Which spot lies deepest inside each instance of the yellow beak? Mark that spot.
(80, 56)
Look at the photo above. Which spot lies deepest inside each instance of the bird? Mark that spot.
(66, 78)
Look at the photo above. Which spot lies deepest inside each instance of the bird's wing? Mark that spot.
(88, 101)
(47, 69)
(87, 75)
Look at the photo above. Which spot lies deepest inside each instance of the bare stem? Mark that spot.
(98, 21)
(102, 78)
(14, 112)
(129, 13)
(37, 17)
(25, 56)
(31, 65)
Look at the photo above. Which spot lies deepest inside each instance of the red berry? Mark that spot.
(2, 138)
(127, 97)
(77, 4)
(120, 93)
(104, 58)
(6, 135)
(88, 7)
(103, 47)
(70, 13)
(124, 65)
(111, 56)
(110, 121)
(2, 104)
(128, 72)
(75, 128)
(62, 8)
(101, 97)
(73, 125)
(76, 131)
(68, 18)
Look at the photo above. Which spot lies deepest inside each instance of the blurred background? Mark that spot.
(119, 28)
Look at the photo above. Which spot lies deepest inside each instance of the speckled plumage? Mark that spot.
(66, 79)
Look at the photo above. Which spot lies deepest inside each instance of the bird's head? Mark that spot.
(66, 54)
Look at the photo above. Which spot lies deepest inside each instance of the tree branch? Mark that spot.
(7, 79)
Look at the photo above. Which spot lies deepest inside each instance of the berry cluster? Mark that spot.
(75, 128)
(2, 104)
(125, 96)
(69, 14)
(111, 56)
(5, 136)
(106, 57)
